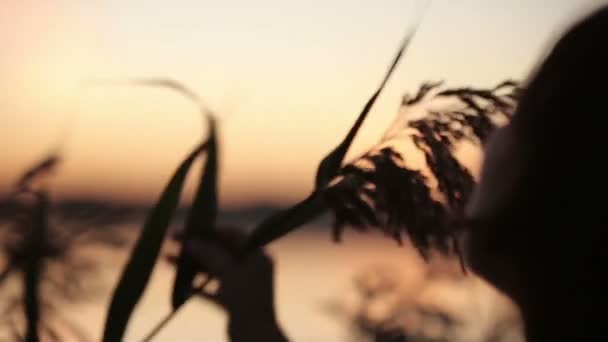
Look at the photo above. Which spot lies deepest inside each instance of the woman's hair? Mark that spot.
(566, 94)
(562, 122)
(562, 117)
(552, 227)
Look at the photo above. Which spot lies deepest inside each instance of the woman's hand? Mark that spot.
(246, 290)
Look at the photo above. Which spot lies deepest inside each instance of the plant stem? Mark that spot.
(157, 328)
(163, 322)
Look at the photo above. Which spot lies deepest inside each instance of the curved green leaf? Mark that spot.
(137, 272)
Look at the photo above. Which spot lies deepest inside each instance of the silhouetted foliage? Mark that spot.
(138, 269)
(378, 189)
(200, 222)
(375, 190)
(41, 250)
(204, 210)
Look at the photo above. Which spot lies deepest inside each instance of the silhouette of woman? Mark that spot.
(533, 218)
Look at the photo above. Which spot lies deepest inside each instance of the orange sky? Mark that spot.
(288, 76)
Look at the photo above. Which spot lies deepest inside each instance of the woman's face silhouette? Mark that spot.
(491, 243)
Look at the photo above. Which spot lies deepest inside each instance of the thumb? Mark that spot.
(210, 256)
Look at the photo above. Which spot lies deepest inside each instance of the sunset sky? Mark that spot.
(286, 77)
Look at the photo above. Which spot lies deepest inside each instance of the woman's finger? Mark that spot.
(210, 256)
(213, 297)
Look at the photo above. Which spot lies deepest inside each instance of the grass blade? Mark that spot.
(285, 221)
(200, 221)
(329, 166)
(160, 82)
(137, 272)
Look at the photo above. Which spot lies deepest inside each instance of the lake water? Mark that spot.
(310, 271)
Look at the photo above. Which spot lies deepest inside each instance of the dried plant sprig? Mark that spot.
(378, 189)
(41, 253)
(454, 180)
(397, 198)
